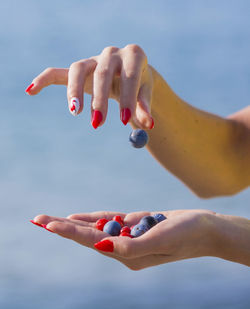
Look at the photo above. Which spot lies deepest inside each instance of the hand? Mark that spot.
(119, 73)
(184, 234)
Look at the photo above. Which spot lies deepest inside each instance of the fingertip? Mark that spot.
(96, 119)
(152, 123)
(75, 106)
(28, 89)
(105, 245)
(55, 227)
(125, 115)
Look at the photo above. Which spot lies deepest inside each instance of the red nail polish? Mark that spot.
(45, 226)
(125, 115)
(38, 224)
(105, 245)
(96, 118)
(152, 124)
(28, 88)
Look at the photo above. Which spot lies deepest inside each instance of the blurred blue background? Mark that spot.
(53, 163)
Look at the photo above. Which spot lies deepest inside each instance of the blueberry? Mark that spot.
(138, 230)
(149, 221)
(138, 138)
(159, 217)
(112, 227)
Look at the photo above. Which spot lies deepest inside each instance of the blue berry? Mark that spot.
(112, 227)
(138, 138)
(149, 221)
(138, 230)
(159, 217)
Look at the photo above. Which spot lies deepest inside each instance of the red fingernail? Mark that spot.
(38, 224)
(105, 245)
(152, 124)
(96, 118)
(125, 115)
(28, 88)
(45, 226)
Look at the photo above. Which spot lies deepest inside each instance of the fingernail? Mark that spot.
(74, 106)
(152, 124)
(96, 118)
(28, 88)
(125, 115)
(38, 224)
(105, 245)
(45, 226)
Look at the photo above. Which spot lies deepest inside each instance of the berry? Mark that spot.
(139, 229)
(126, 234)
(112, 227)
(159, 217)
(100, 223)
(149, 221)
(125, 229)
(119, 220)
(138, 138)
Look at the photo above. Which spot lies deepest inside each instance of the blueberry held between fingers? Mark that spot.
(138, 230)
(112, 227)
(159, 217)
(138, 138)
(149, 221)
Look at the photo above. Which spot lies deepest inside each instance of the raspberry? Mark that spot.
(125, 229)
(118, 219)
(126, 234)
(100, 223)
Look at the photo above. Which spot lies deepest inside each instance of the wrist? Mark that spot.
(230, 238)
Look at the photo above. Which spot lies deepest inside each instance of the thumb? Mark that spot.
(126, 247)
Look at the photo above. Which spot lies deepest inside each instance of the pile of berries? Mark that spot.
(116, 227)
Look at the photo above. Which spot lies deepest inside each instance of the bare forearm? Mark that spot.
(231, 238)
(208, 153)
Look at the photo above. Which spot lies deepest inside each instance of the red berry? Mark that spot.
(126, 229)
(100, 223)
(118, 219)
(126, 234)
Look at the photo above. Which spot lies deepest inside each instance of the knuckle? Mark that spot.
(77, 64)
(110, 50)
(126, 251)
(135, 49)
(132, 265)
(132, 75)
(50, 70)
(72, 217)
(102, 72)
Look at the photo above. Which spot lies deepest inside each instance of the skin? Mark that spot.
(210, 154)
(185, 234)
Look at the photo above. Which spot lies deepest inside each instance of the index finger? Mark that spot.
(50, 76)
(94, 216)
